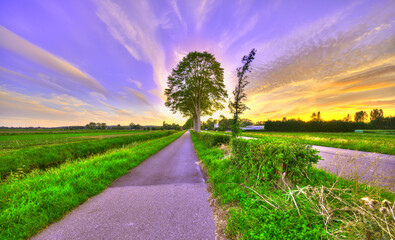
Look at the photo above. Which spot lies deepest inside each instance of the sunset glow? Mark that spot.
(72, 62)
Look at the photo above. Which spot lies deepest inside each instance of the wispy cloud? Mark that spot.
(63, 110)
(137, 33)
(20, 46)
(115, 109)
(140, 96)
(135, 82)
(329, 64)
(41, 79)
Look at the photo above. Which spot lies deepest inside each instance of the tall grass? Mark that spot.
(42, 197)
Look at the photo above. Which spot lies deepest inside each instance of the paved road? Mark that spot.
(164, 197)
(364, 166)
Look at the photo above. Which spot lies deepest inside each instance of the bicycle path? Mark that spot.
(165, 197)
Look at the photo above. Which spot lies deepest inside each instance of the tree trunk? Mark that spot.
(198, 122)
(194, 120)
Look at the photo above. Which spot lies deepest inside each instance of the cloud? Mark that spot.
(139, 95)
(136, 32)
(115, 109)
(328, 65)
(97, 95)
(176, 10)
(63, 110)
(41, 79)
(20, 46)
(135, 82)
(201, 12)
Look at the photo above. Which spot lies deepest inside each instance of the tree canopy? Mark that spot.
(196, 87)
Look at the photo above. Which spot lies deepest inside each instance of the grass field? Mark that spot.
(44, 156)
(263, 205)
(19, 139)
(30, 203)
(371, 142)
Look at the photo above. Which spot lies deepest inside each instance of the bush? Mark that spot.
(25, 160)
(269, 159)
(213, 140)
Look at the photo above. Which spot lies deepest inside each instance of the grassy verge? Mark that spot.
(25, 160)
(29, 204)
(317, 206)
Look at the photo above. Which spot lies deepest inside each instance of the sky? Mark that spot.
(65, 63)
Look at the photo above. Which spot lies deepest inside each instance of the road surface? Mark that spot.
(164, 197)
(362, 166)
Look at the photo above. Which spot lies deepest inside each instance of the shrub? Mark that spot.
(269, 159)
(213, 140)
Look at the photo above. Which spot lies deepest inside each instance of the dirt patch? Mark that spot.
(220, 213)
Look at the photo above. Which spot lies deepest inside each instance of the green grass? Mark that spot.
(15, 140)
(29, 204)
(371, 142)
(27, 159)
(260, 209)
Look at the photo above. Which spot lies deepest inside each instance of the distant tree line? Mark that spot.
(132, 126)
(317, 124)
(98, 125)
(172, 126)
(224, 124)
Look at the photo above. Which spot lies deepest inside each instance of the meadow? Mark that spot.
(31, 201)
(270, 189)
(369, 142)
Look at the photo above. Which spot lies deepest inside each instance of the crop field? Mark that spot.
(283, 196)
(44, 192)
(20, 139)
(369, 142)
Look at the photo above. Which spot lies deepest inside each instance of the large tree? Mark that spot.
(376, 113)
(237, 106)
(360, 116)
(196, 87)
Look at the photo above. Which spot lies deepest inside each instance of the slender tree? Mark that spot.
(237, 107)
(196, 87)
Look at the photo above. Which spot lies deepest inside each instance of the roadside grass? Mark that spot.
(372, 142)
(319, 205)
(25, 160)
(29, 204)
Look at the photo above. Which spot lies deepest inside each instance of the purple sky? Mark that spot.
(72, 62)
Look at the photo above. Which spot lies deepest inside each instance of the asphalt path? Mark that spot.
(376, 168)
(165, 197)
